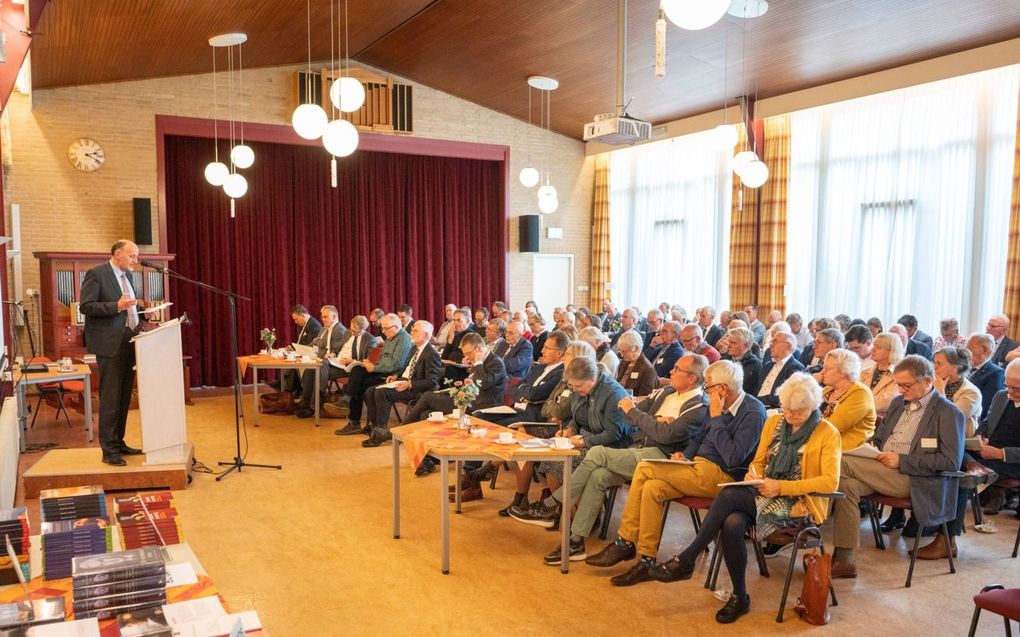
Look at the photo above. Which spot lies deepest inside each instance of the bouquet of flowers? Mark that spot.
(268, 336)
(463, 392)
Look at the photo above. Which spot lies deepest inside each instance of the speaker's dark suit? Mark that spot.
(108, 336)
(425, 375)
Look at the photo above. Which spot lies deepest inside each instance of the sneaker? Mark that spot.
(577, 553)
(353, 427)
(776, 550)
(536, 514)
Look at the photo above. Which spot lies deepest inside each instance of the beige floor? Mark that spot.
(310, 549)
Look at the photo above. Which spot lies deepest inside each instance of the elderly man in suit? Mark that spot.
(776, 371)
(911, 346)
(987, 376)
(327, 345)
(909, 321)
(112, 317)
(421, 374)
(691, 339)
(997, 326)
(920, 438)
(1000, 437)
(668, 352)
(738, 350)
(655, 322)
(451, 351)
(310, 328)
(712, 332)
(757, 327)
(628, 323)
(516, 351)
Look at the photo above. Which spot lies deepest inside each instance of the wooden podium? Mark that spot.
(161, 394)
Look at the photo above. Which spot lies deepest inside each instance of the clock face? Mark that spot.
(86, 154)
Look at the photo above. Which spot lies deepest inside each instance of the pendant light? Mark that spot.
(725, 133)
(341, 137)
(694, 15)
(529, 174)
(241, 155)
(309, 120)
(347, 93)
(215, 171)
(548, 200)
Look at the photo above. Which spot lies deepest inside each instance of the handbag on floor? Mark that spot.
(813, 604)
(281, 402)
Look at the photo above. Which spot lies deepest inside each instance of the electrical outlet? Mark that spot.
(29, 292)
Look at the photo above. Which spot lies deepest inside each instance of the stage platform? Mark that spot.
(75, 467)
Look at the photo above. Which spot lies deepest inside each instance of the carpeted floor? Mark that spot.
(311, 549)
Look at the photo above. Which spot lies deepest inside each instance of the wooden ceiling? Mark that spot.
(483, 50)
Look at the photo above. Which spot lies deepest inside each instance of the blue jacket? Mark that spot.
(989, 426)
(937, 446)
(915, 346)
(518, 358)
(990, 379)
(665, 357)
(730, 441)
(536, 393)
(771, 400)
(604, 423)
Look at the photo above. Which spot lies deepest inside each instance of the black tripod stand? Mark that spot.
(232, 298)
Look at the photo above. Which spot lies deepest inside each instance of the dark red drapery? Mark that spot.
(399, 228)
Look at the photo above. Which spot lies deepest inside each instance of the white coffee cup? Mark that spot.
(562, 443)
(263, 352)
(455, 413)
(436, 415)
(506, 436)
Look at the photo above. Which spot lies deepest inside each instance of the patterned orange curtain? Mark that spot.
(772, 231)
(1011, 300)
(600, 264)
(743, 240)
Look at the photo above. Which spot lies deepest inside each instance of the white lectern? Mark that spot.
(158, 356)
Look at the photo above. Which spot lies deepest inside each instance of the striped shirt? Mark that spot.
(902, 437)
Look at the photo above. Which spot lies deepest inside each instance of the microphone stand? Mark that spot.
(232, 298)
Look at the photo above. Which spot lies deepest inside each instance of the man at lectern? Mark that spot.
(112, 315)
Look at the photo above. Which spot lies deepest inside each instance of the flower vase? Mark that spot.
(269, 350)
(462, 421)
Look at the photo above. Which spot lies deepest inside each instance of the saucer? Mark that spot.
(505, 442)
(434, 421)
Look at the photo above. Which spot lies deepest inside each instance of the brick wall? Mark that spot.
(64, 209)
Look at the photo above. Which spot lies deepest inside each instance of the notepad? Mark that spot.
(864, 451)
(669, 461)
(743, 483)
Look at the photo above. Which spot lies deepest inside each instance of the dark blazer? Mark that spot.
(752, 371)
(714, 334)
(639, 377)
(933, 497)
(771, 400)
(990, 379)
(666, 357)
(808, 354)
(649, 350)
(614, 338)
(452, 353)
(987, 428)
(537, 343)
(603, 422)
(490, 375)
(336, 339)
(915, 346)
(924, 338)
(104, 323)
(1005, 347)
(728, 440)
(427, 371)
(537, 392)
(311, 329)
(365, 346)
(518, 358)
(670, 436)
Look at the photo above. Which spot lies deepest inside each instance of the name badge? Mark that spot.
(565, 393)
(929, 443)
(634, 375)
(658, 361)
(521, 406)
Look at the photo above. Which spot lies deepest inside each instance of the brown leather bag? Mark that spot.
(281, 402)
(813, 604)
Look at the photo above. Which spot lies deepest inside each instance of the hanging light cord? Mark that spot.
(216, 125)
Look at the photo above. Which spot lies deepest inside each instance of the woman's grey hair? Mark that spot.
(581, 349)
(740, 334)
(958, 357)
(891, 342)
(630, 340)
(800, 391)
(847, 363)
(581, 370)
(593, 336)
(725, 373)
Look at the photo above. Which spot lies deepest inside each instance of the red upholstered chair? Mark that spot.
(875, 502)
(338, 383)
(999, 600)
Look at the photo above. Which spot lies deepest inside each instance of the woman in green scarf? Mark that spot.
(799, 454)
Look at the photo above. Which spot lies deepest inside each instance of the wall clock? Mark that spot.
(86, 154)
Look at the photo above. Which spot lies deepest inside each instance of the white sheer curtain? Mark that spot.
(899, 202)
(669, 225)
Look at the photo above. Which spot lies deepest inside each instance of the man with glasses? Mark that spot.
(719, 452)
(826, 340)
(778, 369)
(921, 437)
(665, 421)
(691, 339)
(986, 375)
(451, 352)
(860, 341)
(996, 327)
(738, 349)
(668, 352)
(396, 350)
(710, 331)
(656, 320)
(1000, 437)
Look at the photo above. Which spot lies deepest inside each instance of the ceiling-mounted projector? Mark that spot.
(617, 129)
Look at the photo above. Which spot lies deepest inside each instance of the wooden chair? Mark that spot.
(999, 600)
(57, 389)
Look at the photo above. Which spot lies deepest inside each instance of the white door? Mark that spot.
(553, 282)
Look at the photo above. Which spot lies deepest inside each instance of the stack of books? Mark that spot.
(72, 503)
(74, 524)
(14, 529)
(147, 519)
(16, 618)
(104, 586)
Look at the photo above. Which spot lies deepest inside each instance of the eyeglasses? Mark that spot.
(575, 386)
(390, 327)
(711, 387)
(905, 386)
(679, 370)
(689, 340)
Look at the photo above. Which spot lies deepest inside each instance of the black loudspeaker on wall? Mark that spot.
(143, 220)
(531, 230)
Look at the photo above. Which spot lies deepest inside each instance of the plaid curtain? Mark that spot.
(772, 233)
(1011, 300)
(743, 248)
(600, 264)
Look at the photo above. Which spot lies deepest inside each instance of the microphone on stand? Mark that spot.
(17, 303)
(154, 266)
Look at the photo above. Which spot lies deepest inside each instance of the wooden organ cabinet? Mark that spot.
(60, 278)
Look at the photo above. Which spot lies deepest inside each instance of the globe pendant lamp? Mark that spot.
(347, 94)
(242, 155)
(742, 159)
(216, 172)
(695, 15)
(309, 119)
(755, 174)
(529, 176)
(341, 138)
(235, 186)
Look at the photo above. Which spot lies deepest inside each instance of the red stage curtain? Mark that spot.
(399, 229)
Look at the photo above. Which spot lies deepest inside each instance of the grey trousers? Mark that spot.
(602, 468)
(860, 477)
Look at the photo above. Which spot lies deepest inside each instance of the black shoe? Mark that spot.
(130, 451)
(776, 550)
(612, 554)
(519, 502)
(577, 553)
(672, 571)
(896, 520)
(483, 473)
(996, 500)
(353, 427)
(304, 412)
(733, 609)
(911, 530)
(114, 459)
(640, 572)
(376, 438)
(427, 466)
(536, 514)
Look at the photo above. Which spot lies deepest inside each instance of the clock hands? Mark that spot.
(94, 155)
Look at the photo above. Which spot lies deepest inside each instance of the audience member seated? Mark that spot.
(310, 328)
(452, 352)
(655, 321)
(443, 335)
(799, 330)
(421, 374)
(826, 340)
(691, 339)
(846, 401)
(757, 327)
(987, 376)
(779, 368)
(909, 321)
(738, 350)
(910, 346)
(887, 351)
(952, 368)
(921, 437)
(664, 423)
(405, 314)
(531, 393)
(355, 346)
(515, 350)
(536, 324)
(635, 373)
(1000, 437)
(668, 352)
(604, 354)
(628, 323)
(724, 323)
(481, 320)
(326, 345)
(875, 325)
(798, 455)
(373, 318)
(486, 371)
(706, 321)
(858, 339)
(395, 354)
(949, 335)
(997, 326)
(494, 334)
(720, 451)
(610, 317)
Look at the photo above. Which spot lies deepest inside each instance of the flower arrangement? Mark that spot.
(463, 392)
(268, 336)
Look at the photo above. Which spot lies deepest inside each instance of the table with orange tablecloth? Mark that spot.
(446, 443)
(52, 375)
(263, 361)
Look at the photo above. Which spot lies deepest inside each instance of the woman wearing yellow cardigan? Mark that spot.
(798, 454)
(847, 403)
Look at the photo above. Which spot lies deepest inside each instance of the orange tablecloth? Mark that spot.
(264, 360)
(447, 437)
